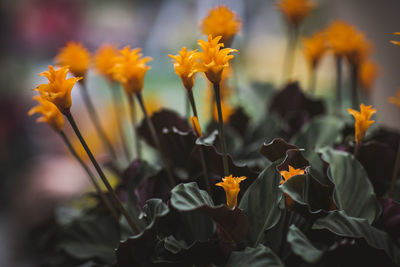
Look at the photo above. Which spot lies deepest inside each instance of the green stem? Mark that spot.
(155, 139)
(91, 176)
(202, 157)
(187, 108)
(290, 54)
(132, 109)
(221, 129)
(313, 80)
(117, 101)
(395, 173)
(95, 119)
(101, 173)
(338, 83)
(354, 87)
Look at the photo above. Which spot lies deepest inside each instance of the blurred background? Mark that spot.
(36, 171)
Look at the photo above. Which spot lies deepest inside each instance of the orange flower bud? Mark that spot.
(232, 188)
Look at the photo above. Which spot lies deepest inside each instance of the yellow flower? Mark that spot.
(196, 125)
(76, 57)
(130, 68)
(295, 10)
(213, 58)
(395, 99)
(104, 60)
(314, 48)
(368, 74)
(289, 174)
(50, 113)
(186, 65)
(221, 21)
(232, 188)
(58, 90)
(362, 121)
(345, 40)
(396, 42)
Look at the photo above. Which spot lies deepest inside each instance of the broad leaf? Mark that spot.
(302, 246)
(353, 191)
(340, 224)
(259, 256)
(260, 203)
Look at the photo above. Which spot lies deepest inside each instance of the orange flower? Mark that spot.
(286, 175)
(195, 125)
(104, 60)
(76, 57)
(214, 59)
(221, 21)
(314, 48)
(58, 90)
(396, 42)
(346, 41)
(50, 113)
(232, 188)
(395, 99)
(130, 68)
(368, 74)
(186, 65)
(295, 10)
(362, 121)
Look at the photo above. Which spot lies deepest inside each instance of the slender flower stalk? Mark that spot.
(96, 121)
(290, 54)
(91, 177)
(155, 139)
(354, 86)
(117, 103)
(117, 201)
(133, 113)
(339, 67)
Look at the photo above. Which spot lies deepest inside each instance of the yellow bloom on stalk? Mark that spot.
(395, 99)
(367, 75)
(345, 40)
(186, 65)
(362, 121)
(232, 188)
(58, 90)
(75, 56)
(50, 113)
(104, 60)
(130, 68)
(286, 175)
(221, 21)
(214, 59)
(196, 125)
(295, 10)
(314, 48)
(396, 42)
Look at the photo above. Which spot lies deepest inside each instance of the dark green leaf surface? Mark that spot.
(260, 203)
(259, 256)
(353, 191)
(303, 247)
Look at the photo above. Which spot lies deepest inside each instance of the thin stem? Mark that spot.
(91, 176)
(101, 173)
(290, 54)
(354, 86)
(313, 80)
(187, 108)
(155, 139)
(95, 119)
(132, 109)
(339, 60)
(395, 173)
(221, 129)
(202, 157)
(117, 101)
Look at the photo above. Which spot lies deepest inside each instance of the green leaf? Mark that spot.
(95, 235)
(260, 203)
(188, 196)
(353, 191)
(301, 246)
(340, 224)
(255, 257)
